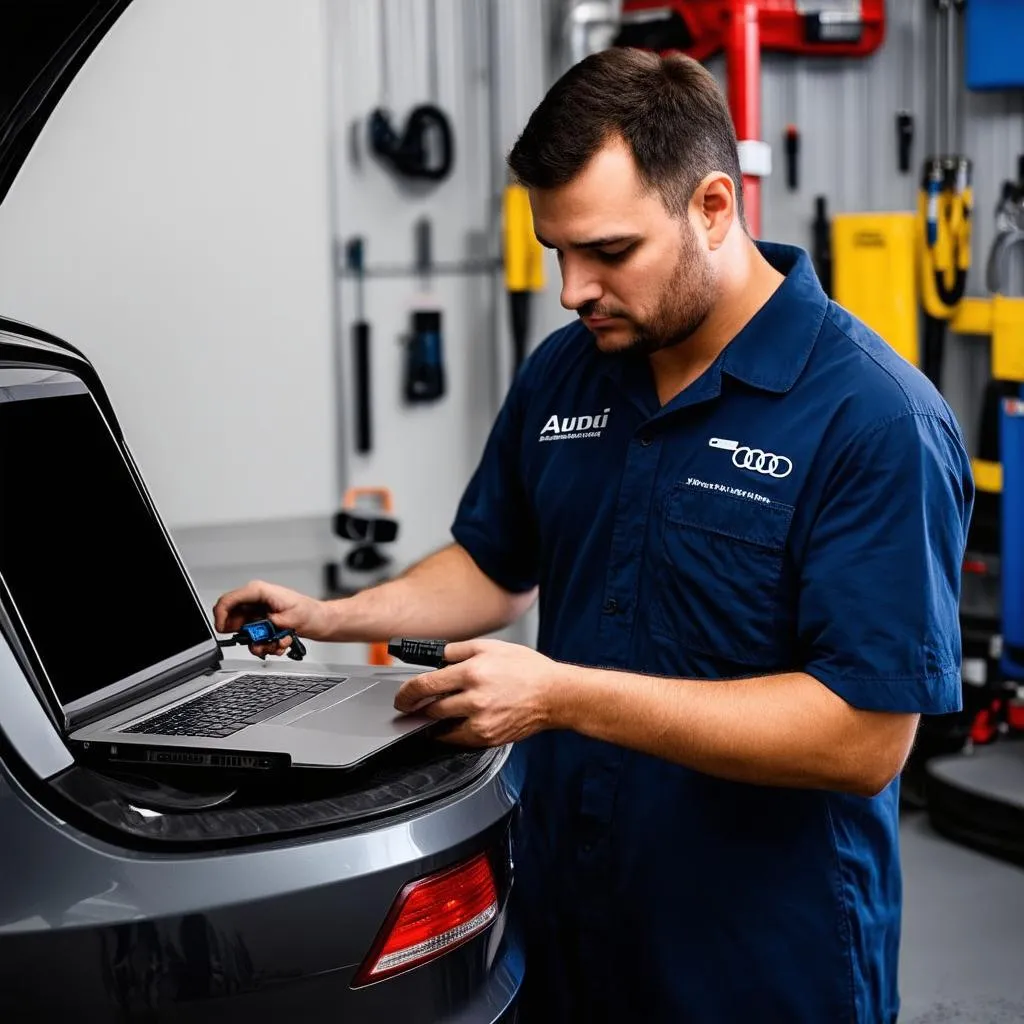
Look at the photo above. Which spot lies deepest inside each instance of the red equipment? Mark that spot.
(743, 28)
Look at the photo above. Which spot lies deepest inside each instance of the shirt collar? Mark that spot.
(772, 349)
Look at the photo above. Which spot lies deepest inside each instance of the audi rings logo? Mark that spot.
(761, 462)
(757, 460)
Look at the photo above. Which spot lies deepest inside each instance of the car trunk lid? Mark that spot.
(43, 45)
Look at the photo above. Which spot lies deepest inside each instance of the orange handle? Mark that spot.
(378, 654)
(384, 496)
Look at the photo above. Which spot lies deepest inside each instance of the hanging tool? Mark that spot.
(424, 364)
(821, 248)
(945, 204)
(792, 157)
(904, 139)
(1009, 231)
(424, 149)
(524, 267)
(904, 117)
(425, 376)
(366, 519)
(354, 260)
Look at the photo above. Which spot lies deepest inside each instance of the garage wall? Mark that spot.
(845, 110)
(179, 220)
(182, 216)
(486, 73)
(173, 222)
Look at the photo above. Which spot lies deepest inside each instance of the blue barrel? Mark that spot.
(1011, 438)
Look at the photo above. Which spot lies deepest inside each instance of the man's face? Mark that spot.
(638, 277)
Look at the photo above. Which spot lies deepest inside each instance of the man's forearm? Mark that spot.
(783, 730)
(444, 596)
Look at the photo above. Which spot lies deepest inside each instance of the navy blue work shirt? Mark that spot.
(802, 506)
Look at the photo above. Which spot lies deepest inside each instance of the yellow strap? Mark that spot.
(524, 255)
(963, 260)
(988, 476)
(1007, 338)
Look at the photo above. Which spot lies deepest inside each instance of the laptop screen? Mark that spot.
(88, 568)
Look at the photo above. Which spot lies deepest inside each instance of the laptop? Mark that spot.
(97, 602)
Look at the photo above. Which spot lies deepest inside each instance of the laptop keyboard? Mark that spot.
(247, 700)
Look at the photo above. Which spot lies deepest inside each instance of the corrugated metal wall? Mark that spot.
(845, 111)
(492, 61)
(482, 62)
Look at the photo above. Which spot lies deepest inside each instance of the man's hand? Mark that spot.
(785, 729)
(503, 692)
(286, 608)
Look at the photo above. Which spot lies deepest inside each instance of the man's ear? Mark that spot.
(715, 202)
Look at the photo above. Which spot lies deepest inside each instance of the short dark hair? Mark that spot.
(669, 110)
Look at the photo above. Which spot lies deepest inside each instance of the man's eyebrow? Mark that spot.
(594, 243)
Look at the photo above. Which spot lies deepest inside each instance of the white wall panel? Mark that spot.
(172, 221)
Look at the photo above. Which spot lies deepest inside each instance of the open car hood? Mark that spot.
(43, 44)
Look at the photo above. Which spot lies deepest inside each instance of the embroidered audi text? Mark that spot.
(571, 428)
(692, 481)
(757, 460)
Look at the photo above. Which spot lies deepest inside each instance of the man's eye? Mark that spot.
(614, 257)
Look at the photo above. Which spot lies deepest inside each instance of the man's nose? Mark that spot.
(579, 286)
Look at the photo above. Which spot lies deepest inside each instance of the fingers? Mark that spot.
(236, 607)
(451, 705)
(417, 692)
(462, 650)
(414, 693)
(277, 647)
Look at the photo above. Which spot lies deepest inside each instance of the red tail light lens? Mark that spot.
(431, 917)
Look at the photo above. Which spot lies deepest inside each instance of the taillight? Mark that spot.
(431, 917)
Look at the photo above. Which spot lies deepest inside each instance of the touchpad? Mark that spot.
(369, 710)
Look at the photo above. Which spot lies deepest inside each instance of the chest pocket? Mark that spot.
(719, 575)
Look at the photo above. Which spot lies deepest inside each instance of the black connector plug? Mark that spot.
(418, 652)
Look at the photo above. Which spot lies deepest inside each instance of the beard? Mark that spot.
(682, 306)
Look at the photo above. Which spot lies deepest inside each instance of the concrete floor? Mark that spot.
(962, 954)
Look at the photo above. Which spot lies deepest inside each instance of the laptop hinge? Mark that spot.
(204, 663)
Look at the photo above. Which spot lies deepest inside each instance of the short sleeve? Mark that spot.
(494, 521)
(878, 619)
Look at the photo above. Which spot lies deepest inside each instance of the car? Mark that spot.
(175, 894)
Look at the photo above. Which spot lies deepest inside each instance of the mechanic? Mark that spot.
(745, 517)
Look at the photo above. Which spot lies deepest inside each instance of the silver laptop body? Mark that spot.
(104, 615)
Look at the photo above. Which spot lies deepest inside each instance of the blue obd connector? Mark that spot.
(263, 631)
